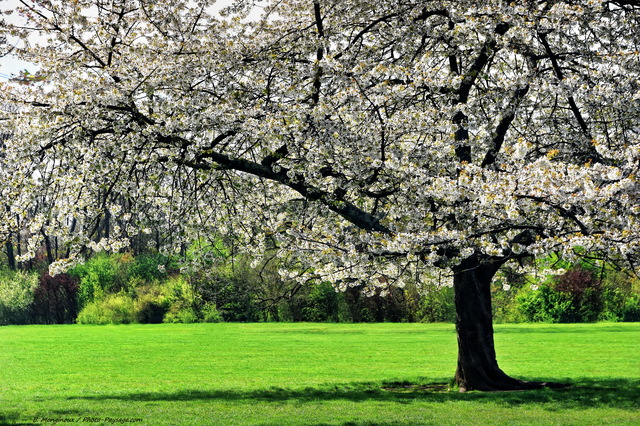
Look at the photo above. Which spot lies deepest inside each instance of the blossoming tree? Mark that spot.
(369, 141)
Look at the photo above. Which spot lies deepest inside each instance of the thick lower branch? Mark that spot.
(344, 208)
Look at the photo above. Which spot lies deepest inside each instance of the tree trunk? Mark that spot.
(477, 365)
(11, 257)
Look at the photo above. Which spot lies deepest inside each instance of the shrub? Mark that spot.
(322, 304)
(547, 305)
(149, 310)
(232, 291)
(113, 309)
(181, 301)
(210, 313)
(101, 275)
(16, 296)
(438, 306)
(186, 315)
(620, 297)
(146, 267)
(576, 296)
(55, 299)
(631, 310)
(584, 292)
(531, 305)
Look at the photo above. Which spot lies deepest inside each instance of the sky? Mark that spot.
(9, 65)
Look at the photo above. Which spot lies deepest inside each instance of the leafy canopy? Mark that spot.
(369, 140)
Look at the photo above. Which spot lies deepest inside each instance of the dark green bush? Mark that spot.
(547, 305)
(148, 267)
(234, 291)
(209, 313)
(620, 296)
(322, 304)
(149, 310)
(186, 305)
(631, 309)
(185, 315)
(437, 305)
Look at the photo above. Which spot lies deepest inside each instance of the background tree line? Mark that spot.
(149, 287)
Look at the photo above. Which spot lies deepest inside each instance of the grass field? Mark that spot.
(279, 374)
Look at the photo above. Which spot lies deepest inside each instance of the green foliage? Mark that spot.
(148, 267)
(210, 313)
(546, 305)
(620, 297)
(437, 305)
(185, 315)
(232, 289)
(181, 299)
(185, 304)
(112, 309)
(588, 291)
(150, 306)
(322, 304)
(631, 309)
(235, 288)
(173, 300)
(101, 275)
(16, 296)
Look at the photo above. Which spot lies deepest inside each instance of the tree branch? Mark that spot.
(503, 126)
(344, 208)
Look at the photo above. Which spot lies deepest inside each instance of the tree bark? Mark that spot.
(11, 257)
(477, 365)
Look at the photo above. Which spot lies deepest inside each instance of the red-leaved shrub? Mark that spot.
(55, 299)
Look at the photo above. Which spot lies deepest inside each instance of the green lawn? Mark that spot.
(280, 374)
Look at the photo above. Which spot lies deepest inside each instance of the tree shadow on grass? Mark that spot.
(12, 419)
(16, 418)
(584, 393)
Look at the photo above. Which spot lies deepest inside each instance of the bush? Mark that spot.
(232, 290)
(16, 296)
(181, 301)
(631, 310)
(147, 267)
(437, 306)
(210, 313)
(547, 305)
(322, 304)
(183, 304)
(149, 310)
(101, 275)
(186, 315)
(620, 297)
(532, 305)
(55, 299)
(113, 309)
